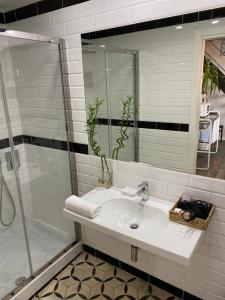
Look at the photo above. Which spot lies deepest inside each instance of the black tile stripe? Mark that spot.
(147, 124)
(18, 140)
(43, 142)
(72, 2)
(45, 6)
(219, 12)
(26, 12)
(143, 275)
(37, 8)
(2, 18)
(83, 148)
(205, 15)
(171, 21)
(4, 143)
(10, 16)
(189, 18)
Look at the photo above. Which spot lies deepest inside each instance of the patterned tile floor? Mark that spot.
(90, 278)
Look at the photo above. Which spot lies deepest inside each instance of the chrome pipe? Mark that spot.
(134, 253)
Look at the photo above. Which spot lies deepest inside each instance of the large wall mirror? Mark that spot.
(142, 83)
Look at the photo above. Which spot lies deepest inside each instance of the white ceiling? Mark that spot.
(6, 5)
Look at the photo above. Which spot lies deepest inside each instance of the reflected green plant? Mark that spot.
(92, 115)
(93, 111)
(125, 118)
(211, 77)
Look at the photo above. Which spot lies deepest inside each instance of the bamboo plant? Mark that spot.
(105, 178)
(93, 111)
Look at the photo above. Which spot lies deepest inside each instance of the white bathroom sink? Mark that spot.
(148, 228)
(127, 214)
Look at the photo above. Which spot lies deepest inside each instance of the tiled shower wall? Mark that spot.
(35, 98)
(40, 96)
(12, 101)
(101, 14)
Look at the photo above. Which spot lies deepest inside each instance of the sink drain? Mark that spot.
(19, 281)
(134, 226)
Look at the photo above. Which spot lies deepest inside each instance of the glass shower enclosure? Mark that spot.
(110, 74)
(35, 175)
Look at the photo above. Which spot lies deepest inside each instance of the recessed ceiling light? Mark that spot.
(179, 27)
(215, 21)
(102, 46)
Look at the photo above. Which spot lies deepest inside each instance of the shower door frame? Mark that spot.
(135, 54)
(35, 38)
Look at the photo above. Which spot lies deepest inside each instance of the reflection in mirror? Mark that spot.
(109, 76)
(155, 67)
(211, 144)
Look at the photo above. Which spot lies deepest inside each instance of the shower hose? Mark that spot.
(3, 186)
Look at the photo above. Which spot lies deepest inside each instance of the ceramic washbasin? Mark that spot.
(148, 228)
(124, 213)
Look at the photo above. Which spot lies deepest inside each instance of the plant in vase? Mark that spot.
(105, 174)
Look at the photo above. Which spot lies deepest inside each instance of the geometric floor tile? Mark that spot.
(90, 278)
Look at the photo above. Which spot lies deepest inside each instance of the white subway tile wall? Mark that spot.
(167, 64)
(13, 106)
(10, 89)
(208, 267)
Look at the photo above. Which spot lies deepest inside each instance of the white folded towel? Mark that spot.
(82, 206)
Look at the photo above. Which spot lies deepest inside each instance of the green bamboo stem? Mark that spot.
(93, 111)
(91, 130)
(126, 115)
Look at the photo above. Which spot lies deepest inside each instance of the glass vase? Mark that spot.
(105, 174)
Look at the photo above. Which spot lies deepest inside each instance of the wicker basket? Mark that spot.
(195, 223)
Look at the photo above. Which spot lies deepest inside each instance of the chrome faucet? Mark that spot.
(143, 192)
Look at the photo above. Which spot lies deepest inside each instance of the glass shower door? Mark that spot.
(14, 251)
(33, 133)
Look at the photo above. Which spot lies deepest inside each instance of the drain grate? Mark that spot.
(19, 281)
(134, 226)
